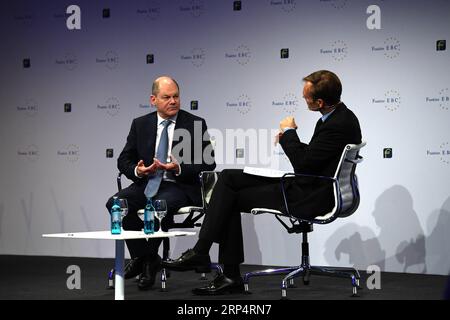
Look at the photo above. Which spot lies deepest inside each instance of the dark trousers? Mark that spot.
(236, 192)
(169, 191)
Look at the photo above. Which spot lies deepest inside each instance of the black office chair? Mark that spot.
(346, 196)
(192, 215)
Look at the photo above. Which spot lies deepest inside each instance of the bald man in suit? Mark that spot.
(180, 185)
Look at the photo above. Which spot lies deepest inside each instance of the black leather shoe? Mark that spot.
(133, 268)
(190, 260)
(221, 285)
(149, 270)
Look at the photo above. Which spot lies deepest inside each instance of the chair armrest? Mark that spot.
(257, 211)
(291, 174)
(191, 209)
(287, 175)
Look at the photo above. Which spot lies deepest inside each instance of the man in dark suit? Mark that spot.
(187, 151)
(237, 192)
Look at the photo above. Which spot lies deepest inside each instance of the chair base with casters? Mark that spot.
(192, 215)
(346, 200)
(305, 269)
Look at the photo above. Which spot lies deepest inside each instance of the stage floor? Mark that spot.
(43, 277)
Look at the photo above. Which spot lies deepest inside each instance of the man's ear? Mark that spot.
(152, 100)
(321, 103)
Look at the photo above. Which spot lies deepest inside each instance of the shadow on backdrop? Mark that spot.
(27, 212)
(438, 240)
(400, 244)
(354, 245)
(251, 244)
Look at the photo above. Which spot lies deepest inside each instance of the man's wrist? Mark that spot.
(136, 172)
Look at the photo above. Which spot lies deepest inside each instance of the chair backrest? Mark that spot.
(208, 181)
(345, 187)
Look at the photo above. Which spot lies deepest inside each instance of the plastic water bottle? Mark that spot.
(149, 217)
(116, 218)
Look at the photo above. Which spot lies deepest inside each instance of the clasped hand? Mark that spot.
(142, 170)
(288, 122)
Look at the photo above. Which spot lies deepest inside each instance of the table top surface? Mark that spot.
(125, 235)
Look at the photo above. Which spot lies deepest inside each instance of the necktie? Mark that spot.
(161, 154)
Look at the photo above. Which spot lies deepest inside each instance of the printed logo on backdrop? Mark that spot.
(111, 106)
(196, 57)
(109, 153)
(70, 153)
(30, 108)
(443, 99)
(284, 53)
(67, 107)
(145, 106)
(391, 100)
(387, 153)
(242, 104)
(442, 153)
(338, 50)
(390, 48)
(289, 103)
(286, 5)
(152, 11)
(194, 7)
(337, 4)
(110, 60)
(30, 153)
(24, 18)
(441, 45)
(241, 55)
(69, 61)
(106, 13)
(26, 63)
(60, 13)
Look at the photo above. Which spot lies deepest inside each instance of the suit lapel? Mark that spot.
(181, 119)
(150, 131)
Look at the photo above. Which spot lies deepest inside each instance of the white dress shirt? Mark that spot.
(170, 132)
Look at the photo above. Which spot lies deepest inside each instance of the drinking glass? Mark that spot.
(160, 211)
(123, 203)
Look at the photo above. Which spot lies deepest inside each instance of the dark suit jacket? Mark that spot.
(313, 197)
(141, 145)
